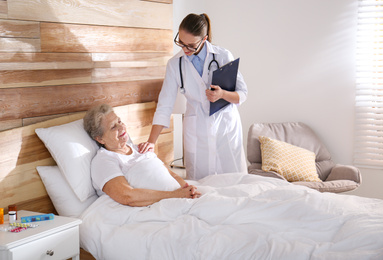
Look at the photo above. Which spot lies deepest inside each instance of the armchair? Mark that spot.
(335, 177)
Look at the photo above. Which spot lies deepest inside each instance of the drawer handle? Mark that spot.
(50, 252)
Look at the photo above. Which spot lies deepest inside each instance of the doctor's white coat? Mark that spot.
(212, 144)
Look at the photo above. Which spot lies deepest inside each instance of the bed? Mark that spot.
(239, 215)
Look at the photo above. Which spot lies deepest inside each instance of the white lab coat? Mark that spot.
(212, 144)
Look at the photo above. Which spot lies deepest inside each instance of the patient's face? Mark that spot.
(115, 135)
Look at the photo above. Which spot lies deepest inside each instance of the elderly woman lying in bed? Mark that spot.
(120, 171)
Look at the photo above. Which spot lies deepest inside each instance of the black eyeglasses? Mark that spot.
(180, 44)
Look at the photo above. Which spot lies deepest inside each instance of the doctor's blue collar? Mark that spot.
(201, 54)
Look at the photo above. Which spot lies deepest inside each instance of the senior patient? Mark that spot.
(124, 174)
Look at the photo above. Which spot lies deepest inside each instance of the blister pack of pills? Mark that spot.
(17, 227)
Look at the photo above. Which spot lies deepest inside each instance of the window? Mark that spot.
(369, 86)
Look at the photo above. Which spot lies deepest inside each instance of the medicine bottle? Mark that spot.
(12, 216)
(1, 216)
(12, 208)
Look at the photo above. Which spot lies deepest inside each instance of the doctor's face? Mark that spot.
(190, 43)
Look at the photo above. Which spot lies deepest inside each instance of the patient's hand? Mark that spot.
(189, 191)
(145, 147)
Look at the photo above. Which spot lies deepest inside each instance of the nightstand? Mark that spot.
(51, 239)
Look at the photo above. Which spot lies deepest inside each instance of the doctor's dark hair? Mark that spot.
(198, 25)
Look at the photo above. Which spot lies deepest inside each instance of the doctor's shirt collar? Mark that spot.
(201, 54)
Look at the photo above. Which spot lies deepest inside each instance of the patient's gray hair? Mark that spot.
(93, 118)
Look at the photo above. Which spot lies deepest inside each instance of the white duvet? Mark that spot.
(238, 217)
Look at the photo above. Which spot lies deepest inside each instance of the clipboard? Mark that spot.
(226, 78)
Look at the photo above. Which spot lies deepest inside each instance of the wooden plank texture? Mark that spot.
(45, 61)
(9, 124)
(127, 13)
(160, 1)
(28, 78)
(42, 69)
(130, 59)
(19, 29)
(39, 101)
(18, 177)
(19, 45)
(85, 255)
(57, 37)
(3, 9)
(127, 74)
(38, 119)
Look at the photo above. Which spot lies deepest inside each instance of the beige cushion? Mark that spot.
(294, 133)
(335, 178)
(292, 162)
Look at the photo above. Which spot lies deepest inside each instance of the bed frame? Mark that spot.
(21, 151)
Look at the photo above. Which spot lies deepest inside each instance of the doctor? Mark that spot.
(212, 144)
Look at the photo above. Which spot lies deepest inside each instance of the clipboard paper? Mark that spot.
(226, 78)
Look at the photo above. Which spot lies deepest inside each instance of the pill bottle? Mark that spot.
(12, 216)
(1, 216)
(12, 208)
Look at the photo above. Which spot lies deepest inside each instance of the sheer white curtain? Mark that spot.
(369, 85)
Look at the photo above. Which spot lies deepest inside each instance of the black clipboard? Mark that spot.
(226, 78)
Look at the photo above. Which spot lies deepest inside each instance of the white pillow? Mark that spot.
(65, 201)
(73, 150)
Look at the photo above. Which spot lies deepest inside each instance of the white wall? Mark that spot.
(298, 60)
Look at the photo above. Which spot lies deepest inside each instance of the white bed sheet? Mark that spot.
(238, 217)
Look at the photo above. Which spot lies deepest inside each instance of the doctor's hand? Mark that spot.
(145, 147)
(214, 93)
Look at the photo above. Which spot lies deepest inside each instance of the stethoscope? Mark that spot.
(182, 88)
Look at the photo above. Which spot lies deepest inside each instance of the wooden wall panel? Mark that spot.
(19, 45)
(45, 61)
(126, 13)
(38, 119)
(9, 124)
(19, 29)
(130, 59)
(28, 78)
(160, 1)
(30, 102)
(60, 57)
(80, 38)
(42, 69)
(127, 74)
(19, 36)
(3, 9)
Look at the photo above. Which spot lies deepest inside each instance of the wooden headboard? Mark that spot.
(21, 151)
